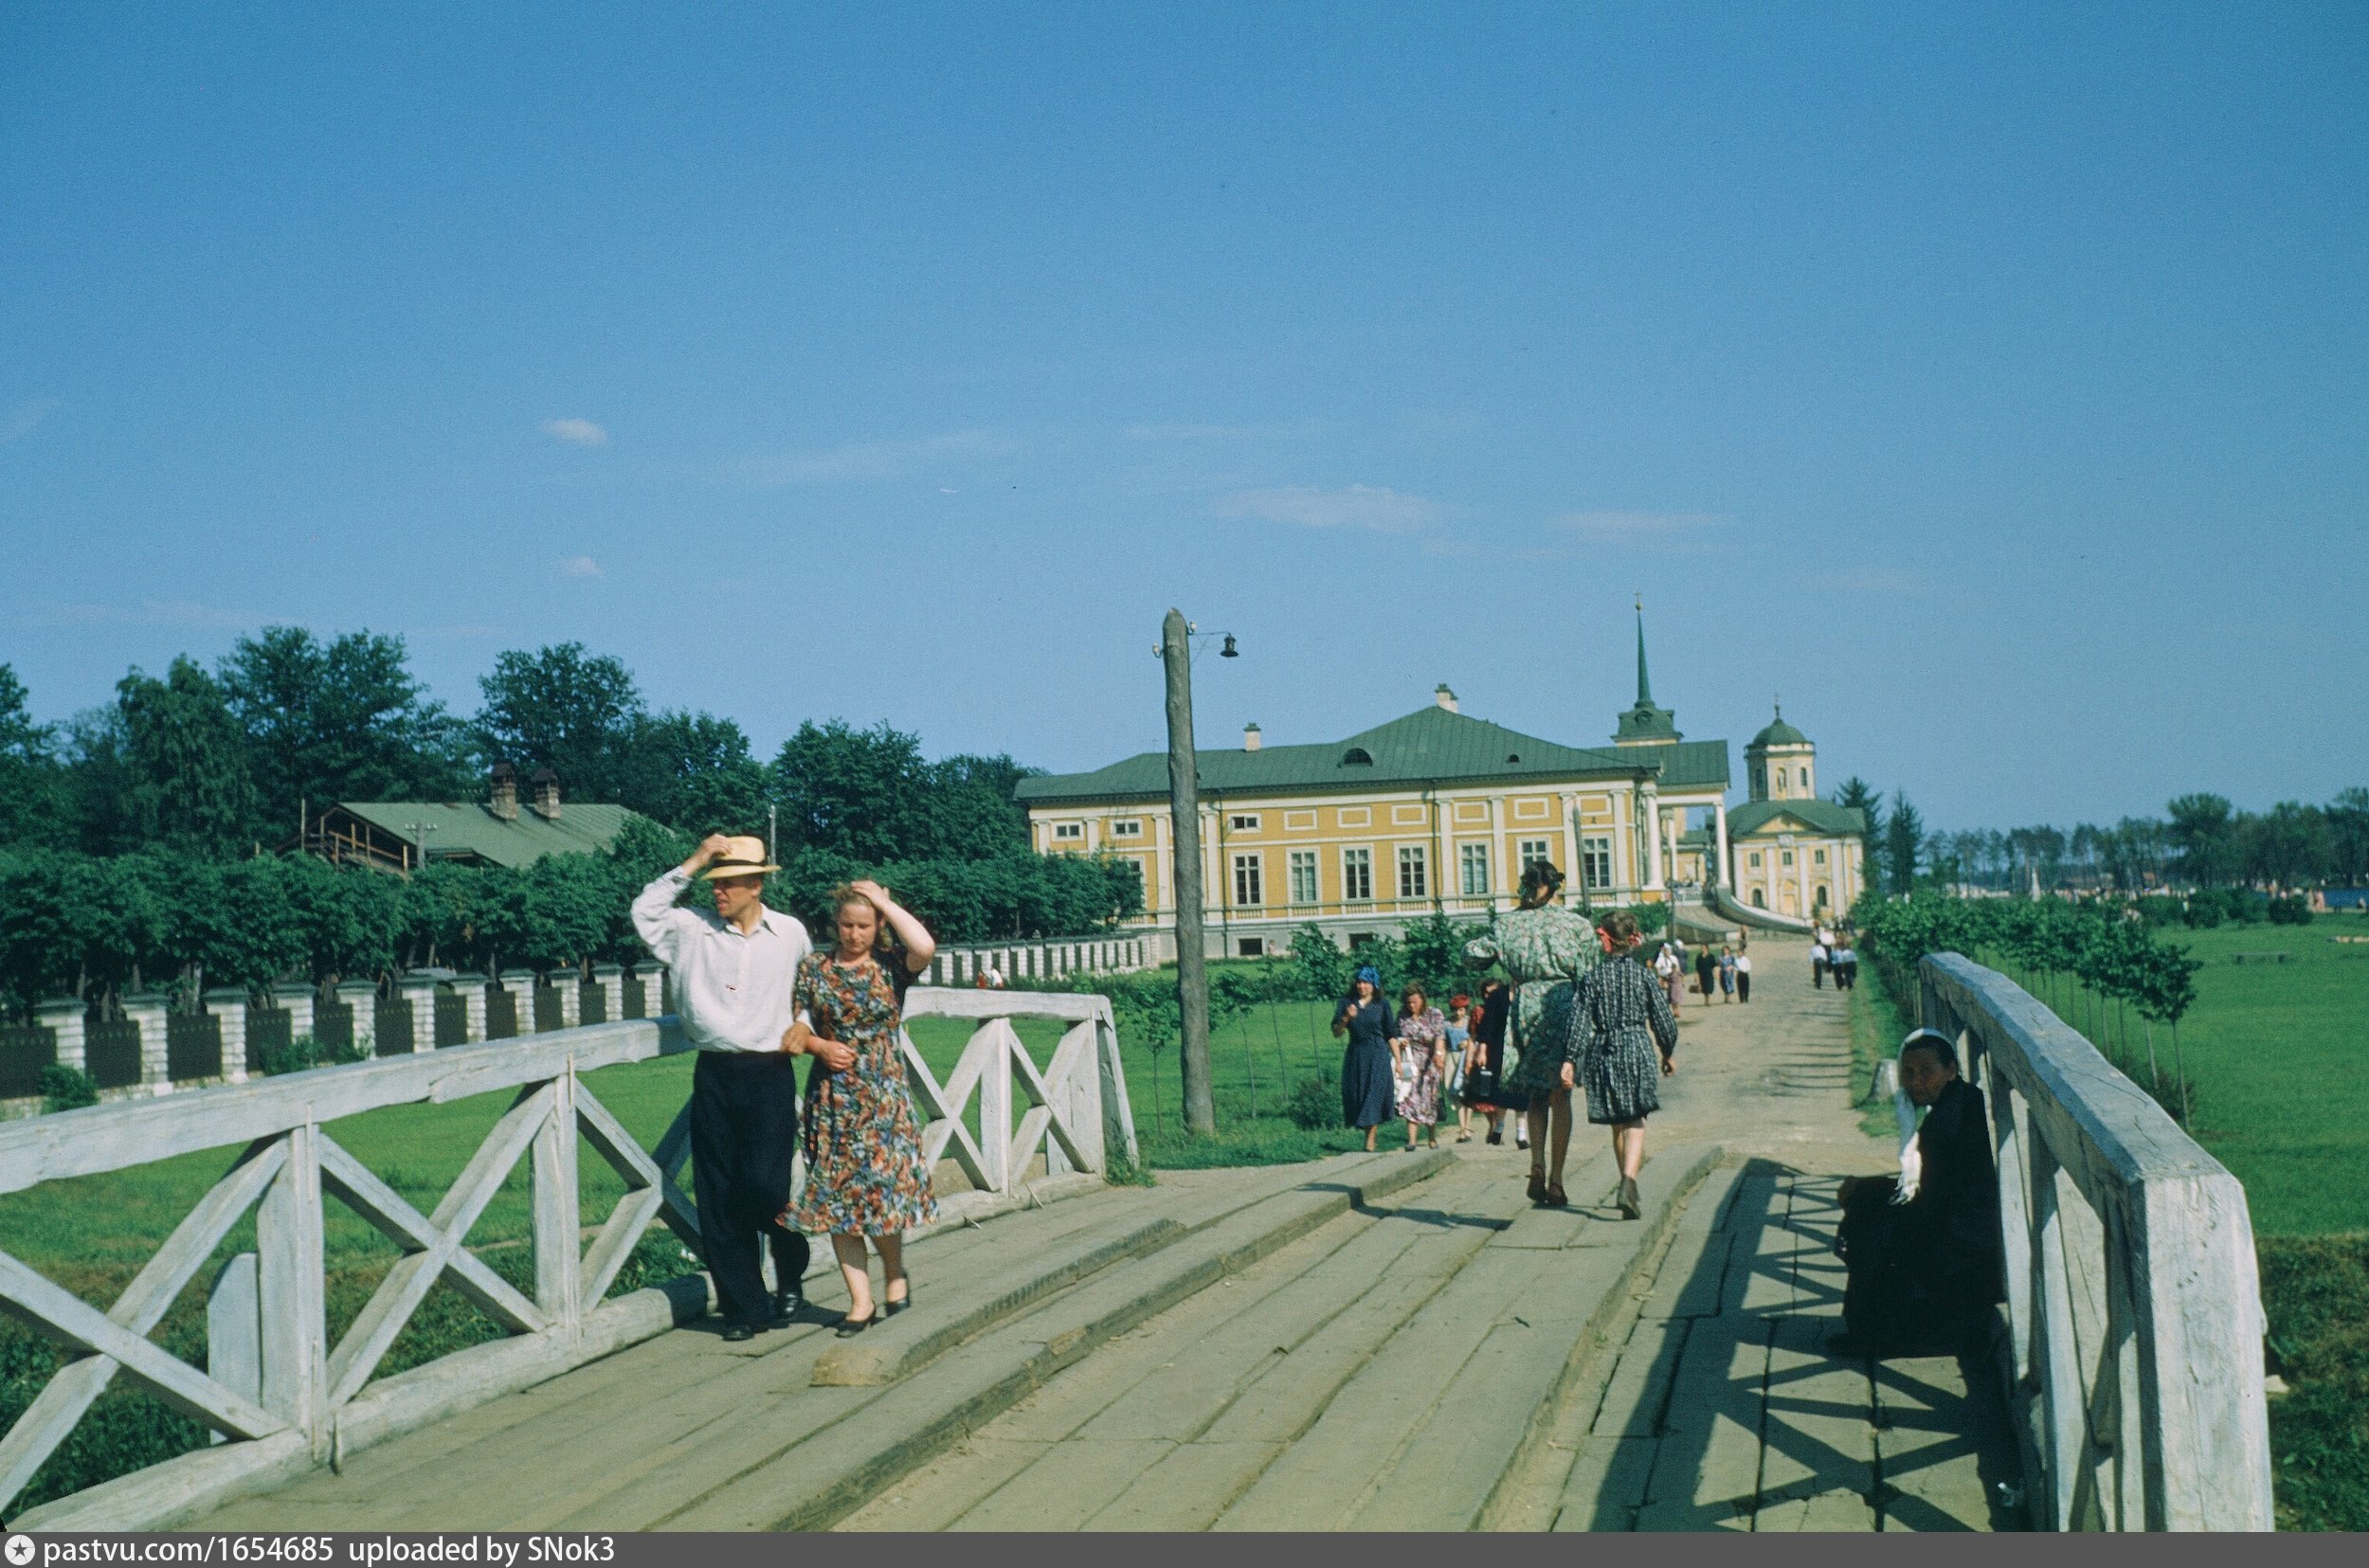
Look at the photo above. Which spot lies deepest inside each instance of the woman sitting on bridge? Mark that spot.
(1922, 1248)
(1545, 948)
(865, 1177)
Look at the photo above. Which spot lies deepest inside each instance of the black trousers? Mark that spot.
(1743, 985)
(744, 1133)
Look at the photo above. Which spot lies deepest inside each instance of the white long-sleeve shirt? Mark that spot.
(732, 988)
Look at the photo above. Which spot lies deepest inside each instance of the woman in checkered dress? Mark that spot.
(1625, 1040)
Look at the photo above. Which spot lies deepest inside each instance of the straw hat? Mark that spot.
(742, 856)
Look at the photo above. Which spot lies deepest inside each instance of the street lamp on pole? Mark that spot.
(419, 832)
(1192, 974)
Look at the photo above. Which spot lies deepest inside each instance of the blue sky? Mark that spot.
(1990, 381)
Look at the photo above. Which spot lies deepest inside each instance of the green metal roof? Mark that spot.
(1817, 816)
(457, 828)
(1429, 745)
(1780, 733)
(1646, 721)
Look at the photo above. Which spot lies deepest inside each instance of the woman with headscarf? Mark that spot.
(1419, 1047)
(1368, 1092)
(1922, 1248)
(1619, 1018)
(1544, 946)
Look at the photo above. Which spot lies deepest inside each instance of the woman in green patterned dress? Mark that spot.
(1544, 948)
(865, 1178)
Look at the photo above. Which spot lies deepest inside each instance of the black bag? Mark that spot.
(1480, 1086)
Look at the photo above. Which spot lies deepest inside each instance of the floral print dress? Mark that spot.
(1418, 1087)
(1545, 950)
(864, 1170)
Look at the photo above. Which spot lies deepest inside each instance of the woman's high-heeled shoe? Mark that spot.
(891, 1308)
(1556, 1198)
(849, 1328)
(1538, 1186)
(1632, 1207)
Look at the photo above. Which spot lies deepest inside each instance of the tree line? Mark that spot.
(138, 841)
(2201, 843)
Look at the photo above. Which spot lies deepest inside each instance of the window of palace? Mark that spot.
(1065, 830)
(1357, 874)
(1817, 856)
(1785, 857)
(1127, 828)
(1535, 851)
(1473, 865)
(1250, 882)
(1756, 859)
(1759, 900)
(1596, 863)
(1805, 778)
(1303, 876)
(1242, 821)
(1250, 946)
(1414, 873)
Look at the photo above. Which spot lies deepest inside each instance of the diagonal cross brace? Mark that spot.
(644, 1194)
(52, 1418)
(407, 1283)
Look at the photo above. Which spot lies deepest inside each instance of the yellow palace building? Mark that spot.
(1436, 811)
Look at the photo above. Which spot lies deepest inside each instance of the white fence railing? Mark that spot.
(2134, 1310)
(289, 1398)
(1022, 962)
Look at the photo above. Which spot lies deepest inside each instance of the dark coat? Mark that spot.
(1922, 1272)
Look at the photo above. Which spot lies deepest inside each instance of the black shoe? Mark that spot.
(890, 1309)
(740, 1333)
(786, 1305)
(1496, 1135)
(849, 1328)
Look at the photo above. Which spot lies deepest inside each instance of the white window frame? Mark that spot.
(1242, 821)
(1357, 874)
(1303, 865)
(1250, 880)
(1127, 827)
(1069, 833)
(1472, 859)
(1414, 859)
(1596, 861)
(1534, 849)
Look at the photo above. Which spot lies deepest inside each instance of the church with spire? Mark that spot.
(1438, 811)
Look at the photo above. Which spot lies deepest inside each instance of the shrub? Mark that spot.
(1315, 1105)
(66, 1089)
(2294, 909)
(304, 1052)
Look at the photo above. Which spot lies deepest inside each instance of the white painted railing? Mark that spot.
(308, 1399)
(2134, 1310)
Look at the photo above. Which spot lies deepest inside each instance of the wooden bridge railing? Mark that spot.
(2135, 1317)
(294, 1399)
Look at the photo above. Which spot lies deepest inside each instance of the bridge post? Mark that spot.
(557, 1216)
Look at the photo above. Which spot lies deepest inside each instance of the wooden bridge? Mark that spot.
(1394, 1340)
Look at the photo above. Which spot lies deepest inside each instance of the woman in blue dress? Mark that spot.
(1367, 1093)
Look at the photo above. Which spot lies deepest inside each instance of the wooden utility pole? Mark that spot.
(1192, 975)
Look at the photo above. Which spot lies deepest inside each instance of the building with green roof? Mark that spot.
(498, 831)
(1435, 810)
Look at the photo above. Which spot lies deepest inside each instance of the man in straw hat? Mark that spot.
(732, 975)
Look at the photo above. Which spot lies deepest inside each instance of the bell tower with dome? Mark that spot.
(1780, 764)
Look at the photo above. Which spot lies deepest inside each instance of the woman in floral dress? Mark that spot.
(865, 1177)
(1544, 948)
(1419, 1052)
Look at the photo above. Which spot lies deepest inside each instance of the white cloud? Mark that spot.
(1366, 505)
(20, 421)
(578, 432)
(580, 565)
(1679, 530)
(873, 460)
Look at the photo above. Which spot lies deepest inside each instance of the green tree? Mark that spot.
(2288, 846)
(186, 757)
(693, 771)
(1864, 798)
(342, 720)
(860, 793)
(580, 716)
(2348, 837)
(1904, 842)
(32, 785)
(2202, 828)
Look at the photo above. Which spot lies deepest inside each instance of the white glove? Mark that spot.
(1911, 1162)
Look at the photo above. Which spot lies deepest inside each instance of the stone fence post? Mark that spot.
(419, 991)
(361, 999)
(296, 1002)
(62, 1018)
(472, 990)
(227, 1004)
(521, 984)
(611, 980)
(147, 1010)
(570, 988)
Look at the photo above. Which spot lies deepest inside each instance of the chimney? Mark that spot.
(1444, 697)
(1250, 737)
(503, 799)
(546, 785)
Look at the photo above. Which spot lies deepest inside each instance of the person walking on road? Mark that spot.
(1460, 1034)
(866, 1180)
(1368, 1092)
(1485, 1088)
(1545, 948)
(1744, 976)
(1705, 966)
(734, 977)
(1620, 1022)
(1419, 1050)
(1727, 975)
